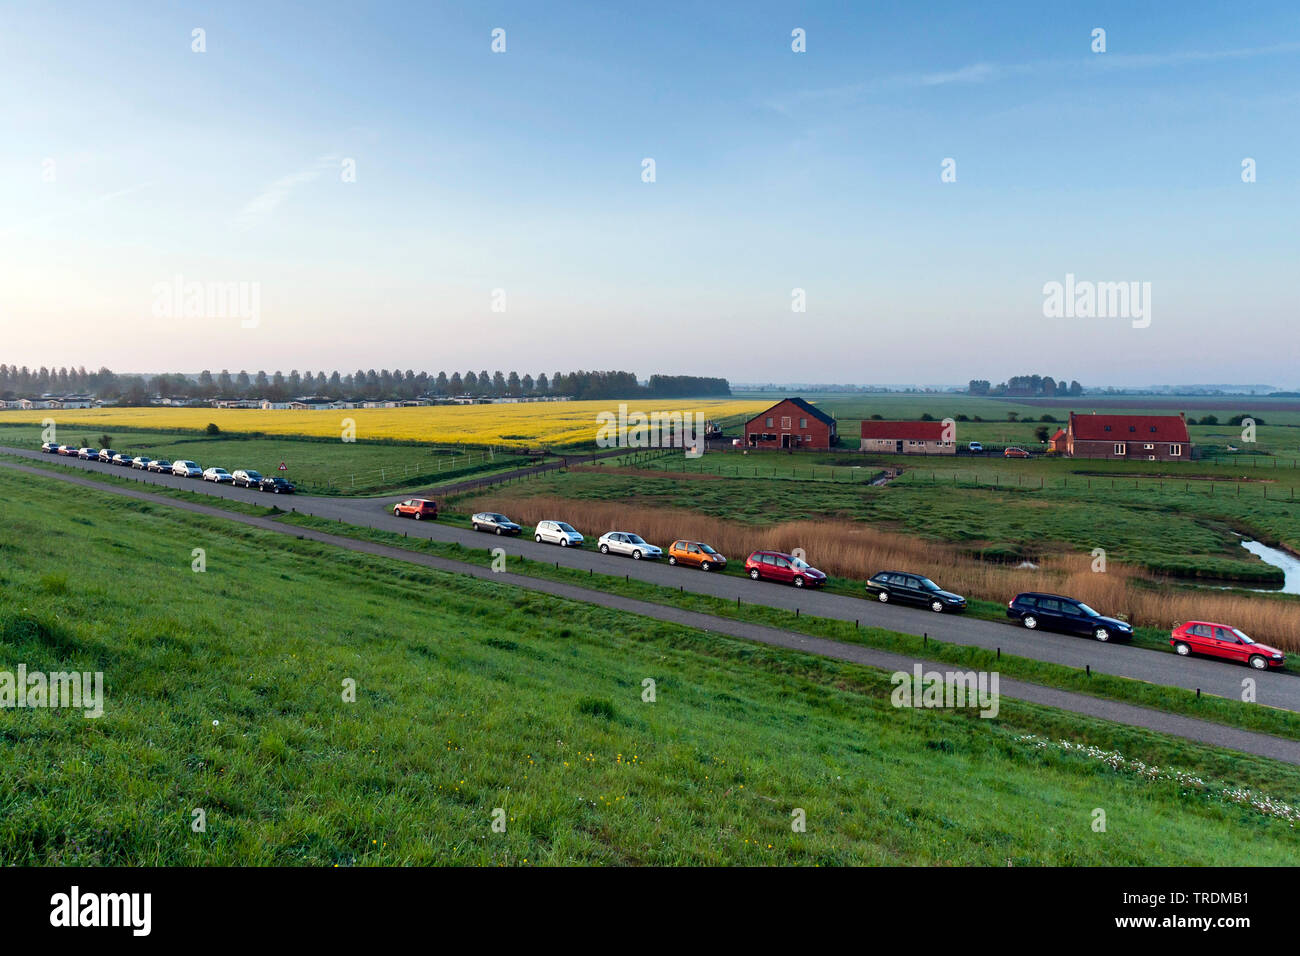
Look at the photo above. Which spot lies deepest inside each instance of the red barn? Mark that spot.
(909, 438)
(1133, 437)
(791, 423)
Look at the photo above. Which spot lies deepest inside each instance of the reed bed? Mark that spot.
(857, 551)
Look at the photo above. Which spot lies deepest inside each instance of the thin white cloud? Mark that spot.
(258, 209)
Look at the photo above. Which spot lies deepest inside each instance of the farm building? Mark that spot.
(791, 423)
(1135, 437)
(908, 438)
(1057, 442)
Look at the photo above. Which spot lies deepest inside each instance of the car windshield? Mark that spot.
(498, 517)
(252, 474)
(565, 527)
(930, 585)
(636, 539)
(800, 563)
(707, 550)
(1243, 636)
(1087, 610)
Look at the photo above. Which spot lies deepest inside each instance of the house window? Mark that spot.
(769, 423)
(1119, 448)
(1107, 428)
(1148, 446)
(1176, 450)
(803, 423)
(785, 423)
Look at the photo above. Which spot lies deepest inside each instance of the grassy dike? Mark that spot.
(1282, 723)
(223, 692)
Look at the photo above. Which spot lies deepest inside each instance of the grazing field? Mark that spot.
(224, 693)
(521, 425)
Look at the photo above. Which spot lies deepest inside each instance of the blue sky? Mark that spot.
(775, 170)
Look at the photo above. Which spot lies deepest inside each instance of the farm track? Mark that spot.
(1279, 690)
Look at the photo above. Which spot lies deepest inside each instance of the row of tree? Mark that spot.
(1028, 386)
(16, 382)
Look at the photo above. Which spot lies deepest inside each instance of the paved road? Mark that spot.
(1190, 728)
(1211, 677)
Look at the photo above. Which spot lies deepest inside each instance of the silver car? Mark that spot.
(625, 542)
(186, 469)
(557, 532)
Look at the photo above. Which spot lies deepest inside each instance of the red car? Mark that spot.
(416, 508)
(1014, 453)
(1220, 640)
(786, 568)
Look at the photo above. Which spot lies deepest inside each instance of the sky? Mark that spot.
(389, 191)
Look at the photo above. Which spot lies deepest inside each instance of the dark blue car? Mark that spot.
(1053, 612)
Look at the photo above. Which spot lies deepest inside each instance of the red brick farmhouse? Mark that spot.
(1135, 437)
(791, 423)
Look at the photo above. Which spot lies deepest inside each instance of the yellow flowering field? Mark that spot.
(525, 424)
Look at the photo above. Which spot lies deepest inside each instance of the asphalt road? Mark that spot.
(1209, 676)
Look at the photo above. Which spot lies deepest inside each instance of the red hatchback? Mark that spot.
(1219, 640)
(416, 508)
(786, 568)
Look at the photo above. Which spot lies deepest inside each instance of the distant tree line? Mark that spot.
(24, 382)
(1025, 386)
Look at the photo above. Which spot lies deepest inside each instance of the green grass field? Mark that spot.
(318, 466)
(224, 693)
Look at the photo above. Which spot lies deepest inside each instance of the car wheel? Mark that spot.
(1181, 649)
(498, 530)
(477, 528)
(936, 607)
(753, 573)
(705, 566)
(1101, 634)
(398, 514)
(277, 491)
(537, 538)
(564, 542)
(1029, 621)
(798, 580)
(418, 516)
(671, 559)
(604, 549)
(636, 555)
(883, 597)
(1258, 662)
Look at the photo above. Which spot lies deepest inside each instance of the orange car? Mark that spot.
(696, 554)
(1015, 453)
(416, 508)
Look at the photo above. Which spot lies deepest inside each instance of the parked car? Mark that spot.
(975, 448)
(697, 554)
(1221, 640)
(106, 455)
(67, 451)
(161, 466)
(246, 478)
(557, 532)
(219, 475)
(628, 543)
(1052, 612)
(909, 588)
(786, 568)
(492, 521)
(417, 508)
(87, 454)
(278, 485)
(141, 462)
(49, 447)
(121, 459)
(186, 469)
(1014, 453)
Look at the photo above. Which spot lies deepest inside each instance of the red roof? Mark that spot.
(1060, 433)
(905, 431)
(1128, 428)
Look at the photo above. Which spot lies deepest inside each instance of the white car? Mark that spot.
(557, 532)
(625, 542)
(186, 469)
(219, 475)
(975, 447)
(141, 462)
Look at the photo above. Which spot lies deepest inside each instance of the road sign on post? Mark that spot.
(283, 467)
